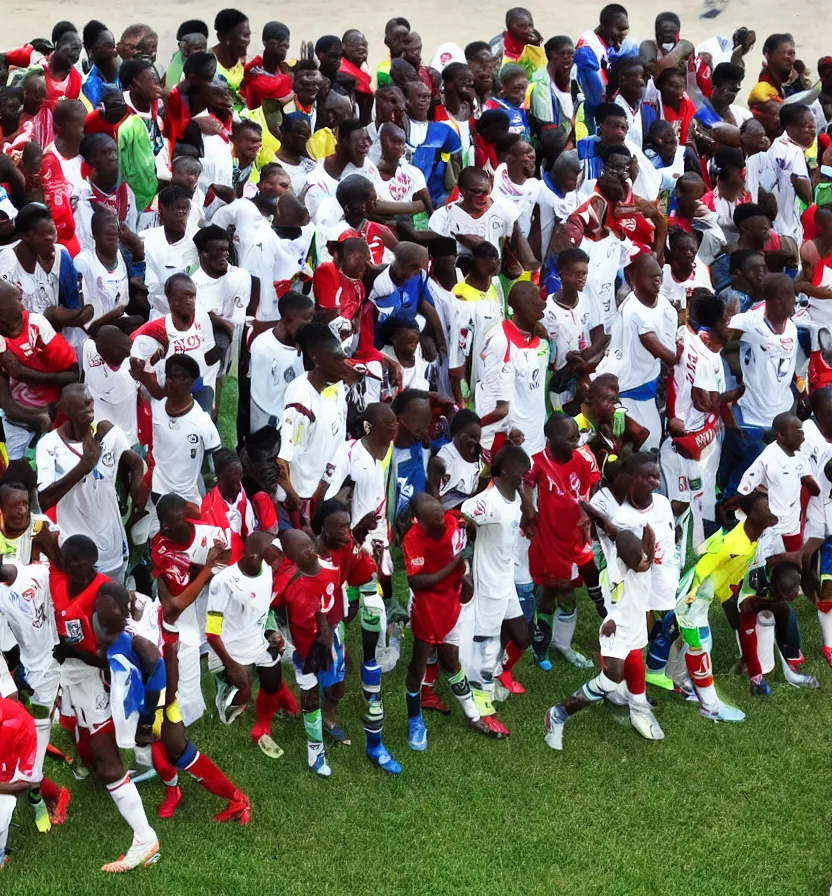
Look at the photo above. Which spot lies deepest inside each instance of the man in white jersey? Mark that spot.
(77, 471)
(768, 355)
(106, 364)
(103, 271)
(515, 183)
(241, 634)
(683, 271)
(511, 395)
(643, 337)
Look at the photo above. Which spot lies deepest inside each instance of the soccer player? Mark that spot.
(184, 556)
(74, 587)
(442, 589)
(623, 635)
(241, 633)
(18, 748)
(174, 751)
(25, 606)
(721, 568)
(560, 547)
(497, 515)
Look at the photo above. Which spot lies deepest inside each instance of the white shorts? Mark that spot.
(83, 689)
(45, 684)
(682, 477)
(260, 657)
(189, 692)
(630, 634)
(489, 613)
(664, 582)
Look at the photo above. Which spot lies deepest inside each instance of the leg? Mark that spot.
(543, 625)
(641, 715)
(7, 805)
(787, 638)
(592, 580)
(428, 699)
(333, 695)
(486, 657)
(461, 689)
(189, 691)
(515, 637)
(566, 618)
(313, 723)
(265, 706)
(417, 735)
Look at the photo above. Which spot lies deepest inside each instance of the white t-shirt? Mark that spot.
(179, 446)
(787, 158)
(692, 370)
(113, 391)
(227, 296)
(196, 341)
(570, 328)
(495, 225)
(91, 505)
(781, 476)
(353, 460)
(39, 290)
(163, 260)
(514, 370)
(298, 173)
(679, 292)
(244, 604)
(498, 525)
(460, 479)
(26, 607)
(626, 357)
(407, 181)
(102, 288)
(319, 184)
(606, 257)
(522, 196)
(554, 208)
(473, 321)
(85, 207)
(314, 425)
(273, 366)
(417, 376)
(768, 362)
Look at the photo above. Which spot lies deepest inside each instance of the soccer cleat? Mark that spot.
(417, 734)
(497, 725)
(320, 765)
(173, 796)
(799, 680)
(337, 733)
(379, 756)
(140, 853)
(659, 680)
(506, 679)
(57, 808)
(269, 746)
(238, 809)
(646, 724)
(827, 654)
(578, 660)
(142, 773)
(725, 713)
(79, 771)
(554, 721)
(482, 725)
(430, 701)
(233, 713)
(42, 820)
(761, 689)
(543, 663)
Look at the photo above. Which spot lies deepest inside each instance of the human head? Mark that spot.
(511, 465)
(229, 470)
(786, 581)
(527, 304)
(710, 312)
(390, 104)
(690, 188)
(104, 226)
(180, 291)
(355, 47)
(613, 25)
(140, 78)
(174, 209)
(566, 171)
(233, 31)
(296, 310)
(667, 28)
(403, 334)
(113, 345)
(330, 52)
(730, 174)
(11, 310)
(417, 100)
(562, 437)
(172, 512)
(353, 143)
(68, 49)
(748, 269)
(401, 72)
(276, 40)
(395, 32)
(514, 81)
(756, 508)
(602, 397)
(15, 508)
(493, 126)
(823, 222)
(520, 159)
(111, 611)
(99, 43)
(573, 266)
(412, 49)
(192, 37)
(351, 255)
(479, 58)
(458, 81)
(200, 69)
(409, 259)
(752, 225)
(560, 54)
(820, 401)
(485, 260)
(612, 124)
(36, 229)
(799, 123)
(475, 188)
(321, 350)
(779, 296)
(129, 41)
(78, 558)
(34, 92)
(753, 137)
(788, 431)
(412, 408)
(466, 432)
(332, 523)
(68, 120)
(645, 276)
(429, 514)
(779, 53)
(295, 131)
(643, 470)
(181, 372)
(614, 179)
(185, 171)
(380, 422)
(214, 247)
(681, 253)
(671, 83)
(393, 144)
(274, 182)
(661, 136)
(726, 80)
(247, 137)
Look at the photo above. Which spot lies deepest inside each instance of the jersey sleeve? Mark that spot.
(325, 283)
(45, 462)
(413, 551)
(497, 374)
(210, 434)
(643, 321)
(294, 433)
(218, 597)
(754, 476)
(479, 510)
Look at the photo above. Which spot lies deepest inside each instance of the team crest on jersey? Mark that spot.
(683, 484)
(459, 540)
(480, 508)
(193, 438)
(417, 562)
(74, 631)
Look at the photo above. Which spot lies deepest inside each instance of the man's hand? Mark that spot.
(10, 363)
(516, 436)
(218, 555)
(277, 644)
(236, 674)
(365, 525)
(608, 628)
(91, 451)
(132, 241)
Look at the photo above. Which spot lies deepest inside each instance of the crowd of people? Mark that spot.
(519, 319)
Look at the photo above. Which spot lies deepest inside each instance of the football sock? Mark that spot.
(431, 672)
(565, 622)
(698, 664)
(313, 723)
(462, 691)
(209, 776)
(634, 673)
(597, 598)
(165, 769)
(542, 634)
(125, 795)
(414, 704)
(748, 642)
(265, 707)
(513, 653)
(825, 620)
(49, 790)
(595, 689)
(374, 714)
(43, 728)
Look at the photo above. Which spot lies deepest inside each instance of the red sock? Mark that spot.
(165, 769)
(49, 790)
(211, 778)
(699, 668)
(82, 742)
(634, 672)
(285, 700)
(431, 671)
(748, 644)
(265, 706)
(513, 653)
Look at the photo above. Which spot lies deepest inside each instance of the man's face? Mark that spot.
(617, 30)
(358, 146)
(390, 106)
(523, 155)
(392, 144)
(247, 144)
(146, 85)
(418, 100)
(16, 512)
(792, 436)
(412, 49)
(356, 49)
(395, 39)
(514, 90)
(521, 28)
(34, 95)
(613, 130)
(574, 275)
(175, 217)
(725, 93)
(239, 39)
(104, 49)
(603, 402)
(464, 83)
(613, 180)
(754, 271)
(647, 276)
(182, 300)
(673, 88)
(646, 480)
(277, 48)
(482, 67)
(563, 58)
(330, 61)
(69, 48)
(105, 161)
(41, 239)
(803, 132)
(683, 253)
(79, 407)
(782, 304)
(753, 139)
(307, 84)
(781, 61)
(192, 44)
(214, 258)
(416, 418)
(758, 229)
(667, 34)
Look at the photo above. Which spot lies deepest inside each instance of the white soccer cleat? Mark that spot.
(646, 724)
(799, 680)
(141, 852)
(725, 713)
(555, 719)
(578, 660)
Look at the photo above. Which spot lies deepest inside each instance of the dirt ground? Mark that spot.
(435, 20)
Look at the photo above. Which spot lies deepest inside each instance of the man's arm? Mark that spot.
(657, 349)
(51, 494)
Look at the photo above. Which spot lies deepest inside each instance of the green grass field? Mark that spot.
(714, 810)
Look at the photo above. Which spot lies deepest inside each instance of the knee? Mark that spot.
(309, 700)
(521, 638)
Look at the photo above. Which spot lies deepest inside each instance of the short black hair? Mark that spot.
(611, 11)
(200, 64)
(61, 28)
(327, 508)
(725, 72)
(475, 47)
(80, 546)
(516, 12)
(791, 113)
(392, 324)
(211, 233)
(92, 31)
(739, 258)
(183, 362)
(745, 211)
(707, 309)
(353, 188)
(131, 69)
(327, 42)
(192, 26)
(228, 19)
(773, 41)
(30, 216)
(92, 144)
(462, 418)
(348, 127)
(172, 194)
(293, 301)
(224, 458)
(171, 502)
(507, 454)
(727, 158)
(405, 397)
(572, 256)
(275, 31)
(609, 110)
(246, 124)
(316, 335)
(615, 149)
(555, 43)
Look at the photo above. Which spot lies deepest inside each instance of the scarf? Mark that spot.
(363, 80)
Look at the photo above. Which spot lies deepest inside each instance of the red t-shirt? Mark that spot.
(18, 742)
(39, 347)
(334, 290)
(435, 612)
(259, 85)
(355, 567)
(73, 615)
(304, 596)
(560, 540)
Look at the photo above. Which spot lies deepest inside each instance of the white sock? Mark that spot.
(707, 697)
(564, 625)
(7, 804)
(43, 728)
(638, 699)
(125, 795)
(825, 620)
(144, 756)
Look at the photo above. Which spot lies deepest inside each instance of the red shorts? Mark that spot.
(432, 618)
(548, 563)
